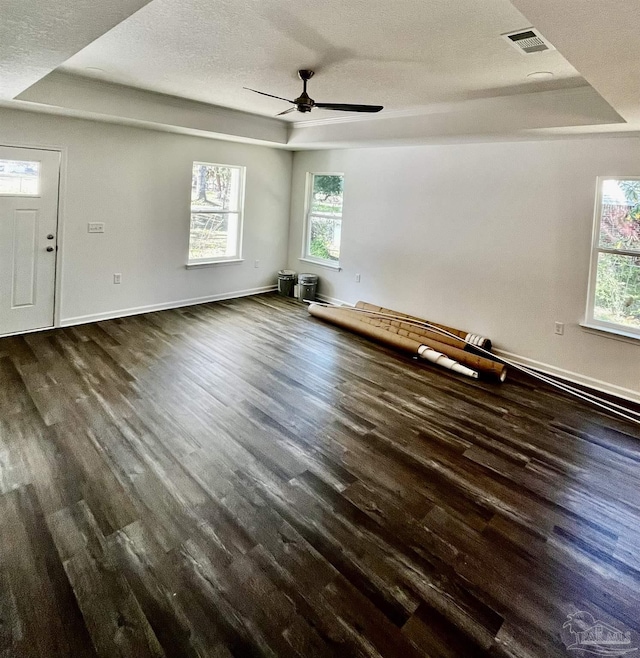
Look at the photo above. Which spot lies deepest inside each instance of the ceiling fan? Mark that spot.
(304, 103)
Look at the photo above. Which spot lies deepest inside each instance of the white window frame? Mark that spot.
(596, 249)
(237, 257)
(306, 233)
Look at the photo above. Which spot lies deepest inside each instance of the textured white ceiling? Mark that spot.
(602, 38)
(37, 36)
(405, 54)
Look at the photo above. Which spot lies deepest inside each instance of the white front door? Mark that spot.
(28, 237)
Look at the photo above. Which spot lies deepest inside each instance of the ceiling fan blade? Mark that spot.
(270, 95)
(291, 109)
(346, 107)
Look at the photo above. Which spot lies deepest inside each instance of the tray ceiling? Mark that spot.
(406, 55)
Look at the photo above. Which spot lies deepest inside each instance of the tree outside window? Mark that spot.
(615, 275)
(324, 217)
(216, 214)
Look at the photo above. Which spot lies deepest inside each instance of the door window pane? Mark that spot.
(19, 177)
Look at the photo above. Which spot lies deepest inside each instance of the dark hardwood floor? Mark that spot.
(239, 479)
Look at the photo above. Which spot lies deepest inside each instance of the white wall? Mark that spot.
(138, 183)
(492, 238)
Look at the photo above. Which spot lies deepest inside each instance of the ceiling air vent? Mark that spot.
(528, 41)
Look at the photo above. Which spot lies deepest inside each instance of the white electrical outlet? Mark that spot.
(357, 278)
(117, 278)
(559, 328)
(256, 263)
(95, 227)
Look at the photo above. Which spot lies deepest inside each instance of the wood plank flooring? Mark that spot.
(240, 479)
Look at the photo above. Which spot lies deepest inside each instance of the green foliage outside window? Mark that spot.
(327, 186)
(322, 240)
(325, 220)
(617, 294)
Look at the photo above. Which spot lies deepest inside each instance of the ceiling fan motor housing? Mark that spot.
(304, 103)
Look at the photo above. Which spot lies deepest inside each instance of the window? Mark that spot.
(217, 194)
(614, 283)
(19, 178)
(324, 218)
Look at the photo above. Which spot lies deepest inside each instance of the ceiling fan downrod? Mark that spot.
(304, 102)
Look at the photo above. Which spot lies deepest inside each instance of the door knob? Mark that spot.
(50, 236)
(49, 248)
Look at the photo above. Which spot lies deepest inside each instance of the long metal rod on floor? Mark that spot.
(611, 407)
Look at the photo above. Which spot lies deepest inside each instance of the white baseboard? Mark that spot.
(332, 300)
(574, 377)
(121, 313)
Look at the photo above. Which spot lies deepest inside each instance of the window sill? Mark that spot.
(211, 263)
(319, 263)
(610, 332)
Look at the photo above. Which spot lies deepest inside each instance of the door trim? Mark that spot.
(62, 183)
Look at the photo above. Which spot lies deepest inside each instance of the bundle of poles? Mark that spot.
(444, 346)
(459, 351)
